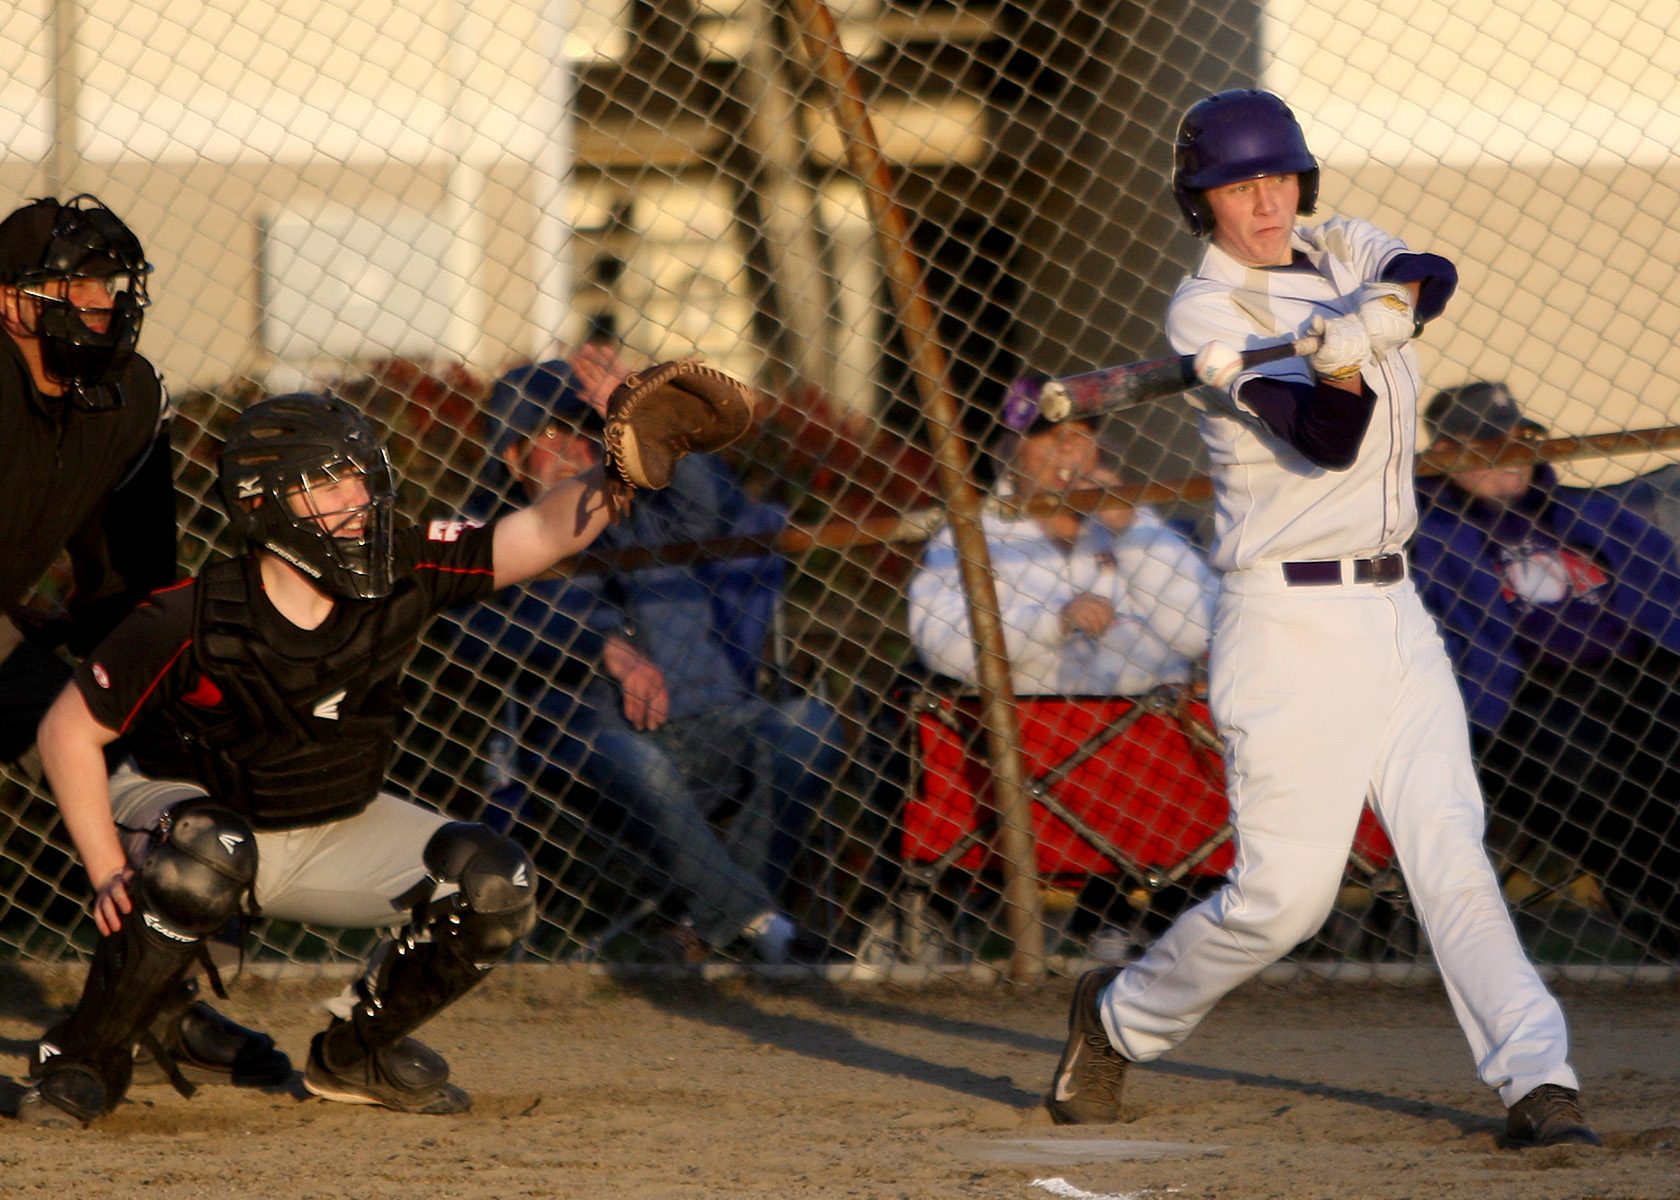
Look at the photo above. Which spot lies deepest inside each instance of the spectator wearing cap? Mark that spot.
(552, 407)
(663, 718)
(1561, 611)
(1115, 602)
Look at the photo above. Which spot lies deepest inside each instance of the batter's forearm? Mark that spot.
(1324, 421)
(1435, 279)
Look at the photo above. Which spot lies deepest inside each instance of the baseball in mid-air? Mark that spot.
(1218, 364)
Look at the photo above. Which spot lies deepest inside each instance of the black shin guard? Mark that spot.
(84, 1063)
(195, 877)
(451, 944)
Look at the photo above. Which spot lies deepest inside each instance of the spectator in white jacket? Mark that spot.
(1111, 603)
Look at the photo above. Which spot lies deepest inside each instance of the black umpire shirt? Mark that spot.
(59, 465)
(98, 483)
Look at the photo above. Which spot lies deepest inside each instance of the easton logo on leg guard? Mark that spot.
(327, 709)
(153, 923)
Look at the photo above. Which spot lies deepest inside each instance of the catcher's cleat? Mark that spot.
(407, 1076)
(1086, 1087)
(674, 408)
(1550, 1115)
(70, 1097)
(207, 1047)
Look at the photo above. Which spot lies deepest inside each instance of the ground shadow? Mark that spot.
(813, 1038)
(817, 1039)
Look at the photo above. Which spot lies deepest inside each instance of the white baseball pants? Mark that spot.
(1325, 695)
(346, 874)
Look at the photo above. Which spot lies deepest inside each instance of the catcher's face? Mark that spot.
(338, 501)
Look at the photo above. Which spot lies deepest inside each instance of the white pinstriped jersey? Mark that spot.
(1271, 504)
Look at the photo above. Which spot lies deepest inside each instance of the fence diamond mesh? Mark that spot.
(404, 200)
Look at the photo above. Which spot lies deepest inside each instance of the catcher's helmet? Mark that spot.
(46, 241)
(1233, 136)
(286, 447)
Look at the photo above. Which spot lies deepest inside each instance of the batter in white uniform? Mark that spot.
(1327, 678)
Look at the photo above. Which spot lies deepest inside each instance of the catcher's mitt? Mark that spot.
(671, 409)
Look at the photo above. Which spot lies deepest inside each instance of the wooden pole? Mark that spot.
(1015, 843)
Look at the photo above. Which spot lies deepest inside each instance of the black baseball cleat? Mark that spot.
(208, 1047)
(1550, 1115)
(68, 1097)
(408, 1076)
(1086, 1086)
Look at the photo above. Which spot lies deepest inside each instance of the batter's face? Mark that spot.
(1253, 218)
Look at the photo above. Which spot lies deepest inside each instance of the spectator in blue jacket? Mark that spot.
(668, 723)
(1561, 610)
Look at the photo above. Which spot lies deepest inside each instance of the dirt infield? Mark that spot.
(587, 1087)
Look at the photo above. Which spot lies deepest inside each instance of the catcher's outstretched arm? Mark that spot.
(568, 517)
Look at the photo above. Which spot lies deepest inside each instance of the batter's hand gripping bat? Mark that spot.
(1113, 388)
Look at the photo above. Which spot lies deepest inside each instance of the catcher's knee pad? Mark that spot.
(497, 901)
(200, 870)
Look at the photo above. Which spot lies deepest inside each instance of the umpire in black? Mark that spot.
(84, 457)
(85, 467)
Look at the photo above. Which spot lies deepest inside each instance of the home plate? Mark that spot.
(1050, 1152)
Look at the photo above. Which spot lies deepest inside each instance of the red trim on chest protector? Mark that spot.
(205, 693)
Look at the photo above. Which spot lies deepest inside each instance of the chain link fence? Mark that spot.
(402, 200)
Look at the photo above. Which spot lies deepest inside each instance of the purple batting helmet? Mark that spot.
(1233, 136)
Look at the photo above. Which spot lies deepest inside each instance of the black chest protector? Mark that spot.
(303, 728)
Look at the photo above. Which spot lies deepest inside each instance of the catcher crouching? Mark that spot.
(259, 703)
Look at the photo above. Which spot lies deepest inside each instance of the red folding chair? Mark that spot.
(1124, 787)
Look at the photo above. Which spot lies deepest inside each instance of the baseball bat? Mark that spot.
(1114, 388)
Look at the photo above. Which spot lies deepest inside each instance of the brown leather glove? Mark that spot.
(671, 409)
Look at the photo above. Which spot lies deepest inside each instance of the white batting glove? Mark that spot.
(1386, 311)
(1343, 347)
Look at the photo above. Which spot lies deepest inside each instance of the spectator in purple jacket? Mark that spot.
(1561, 610)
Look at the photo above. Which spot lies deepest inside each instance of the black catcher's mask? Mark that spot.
(278, 457)
(43, 246)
